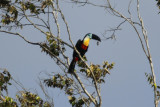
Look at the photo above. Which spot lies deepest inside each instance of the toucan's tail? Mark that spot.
(72, 66)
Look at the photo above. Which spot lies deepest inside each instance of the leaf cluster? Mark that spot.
(158, 3)
(30, 6)
(53, 46)
(13, 9)
(65, 83)
(61, 82)
(10, 15)
(8, 102)
(98, 71)
(78, 102)
(45, 3)
(5, 77)
(150, 80)
(81, 64)
(4, 3)
(28, 99)
(9, 12)
(25, 99)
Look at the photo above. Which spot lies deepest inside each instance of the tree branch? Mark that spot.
(39, 44)
(95, 82)
(144, 32)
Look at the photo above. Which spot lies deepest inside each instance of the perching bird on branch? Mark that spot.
(82, 47)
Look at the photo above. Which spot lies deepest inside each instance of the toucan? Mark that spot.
(82, 47)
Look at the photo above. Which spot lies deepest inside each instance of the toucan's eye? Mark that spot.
(90, 36)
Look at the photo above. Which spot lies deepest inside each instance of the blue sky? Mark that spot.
(127, 85)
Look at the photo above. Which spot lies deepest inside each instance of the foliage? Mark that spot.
(10, 12)
(150, 80)
(78, 102)
(28, 99)
(14, 11)
(52, 45)
(5, 77)
(158, 3)
(66, 84)
(98, 71)
(61, 82)
(8, 102)
(4, 3)
(25, 99)
(23, 13)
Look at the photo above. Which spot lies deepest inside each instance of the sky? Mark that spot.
(126, 86)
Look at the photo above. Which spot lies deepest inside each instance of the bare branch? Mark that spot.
(34, 24)
(145, 44)
(46, 93)
(144, 32)
(113, 30)
(83, 87)
(129, 9)
(131, 23)
(19, 36)
(87, 2)
(41, 45)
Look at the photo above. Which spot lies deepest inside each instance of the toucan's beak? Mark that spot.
(96, 37)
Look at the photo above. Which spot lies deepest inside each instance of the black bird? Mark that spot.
(82, 47)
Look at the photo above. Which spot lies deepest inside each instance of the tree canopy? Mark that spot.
(83, 87)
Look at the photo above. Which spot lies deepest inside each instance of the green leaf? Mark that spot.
(155, 85)
(63, 83)
(9, 84)
(70, 97)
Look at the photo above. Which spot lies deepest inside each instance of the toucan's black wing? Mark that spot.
(78, 47)
(73, 63)
(78, 44)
